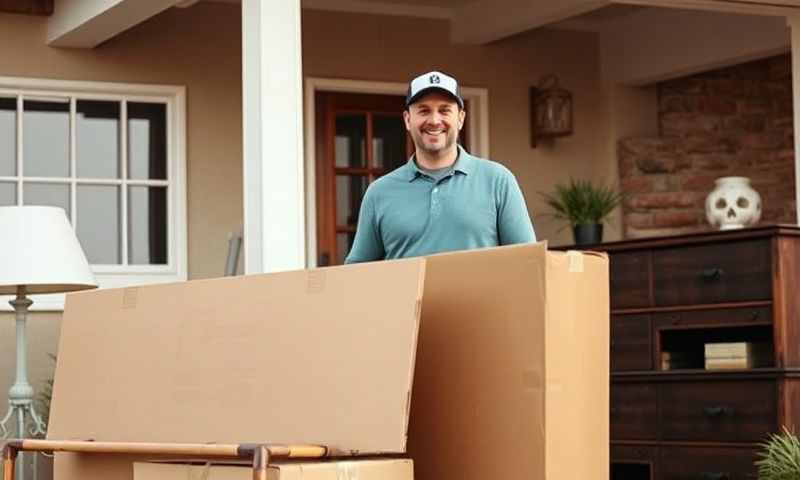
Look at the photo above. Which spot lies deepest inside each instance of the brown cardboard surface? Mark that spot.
(323, 356)
(512, 376)
(387, 469)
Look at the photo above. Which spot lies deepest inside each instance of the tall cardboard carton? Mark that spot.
(385, 469)
(512, 375)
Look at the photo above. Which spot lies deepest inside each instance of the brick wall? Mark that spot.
(734, 121)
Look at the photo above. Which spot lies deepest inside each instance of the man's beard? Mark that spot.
(419, 142)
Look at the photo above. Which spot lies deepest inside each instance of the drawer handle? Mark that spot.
(712, 274)
(717, 411)
(715, 476)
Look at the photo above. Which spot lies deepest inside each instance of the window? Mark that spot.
(111, 156)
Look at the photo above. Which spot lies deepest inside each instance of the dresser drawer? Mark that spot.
(706, 463)
(725, 272)
(724, 411)
(630, 343)
(634, 411)
(715, 318)
(630, 279)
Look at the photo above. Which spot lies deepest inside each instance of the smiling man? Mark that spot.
(443, 198)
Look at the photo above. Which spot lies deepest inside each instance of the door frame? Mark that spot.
(477, 122)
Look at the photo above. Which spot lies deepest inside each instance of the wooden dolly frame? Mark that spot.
(259, 454)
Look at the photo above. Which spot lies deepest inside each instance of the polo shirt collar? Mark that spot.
(464, 164)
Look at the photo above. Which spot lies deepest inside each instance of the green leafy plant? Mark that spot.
(779, 457)
(582, 202)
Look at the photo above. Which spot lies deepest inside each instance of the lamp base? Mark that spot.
(20, 396)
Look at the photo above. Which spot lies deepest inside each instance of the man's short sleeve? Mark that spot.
(513, 221)
(368, 245)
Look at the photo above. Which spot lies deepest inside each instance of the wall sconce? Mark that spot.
(551, 110)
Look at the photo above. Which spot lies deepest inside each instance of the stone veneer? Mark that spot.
(733, 121)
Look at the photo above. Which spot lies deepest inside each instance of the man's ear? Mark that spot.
(407, 119)
(462, 114)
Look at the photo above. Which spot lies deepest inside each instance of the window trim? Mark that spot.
(116, 276)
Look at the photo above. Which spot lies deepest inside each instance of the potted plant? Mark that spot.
(585, 206)
(779, 457)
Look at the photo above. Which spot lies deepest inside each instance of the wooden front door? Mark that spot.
(361, 137)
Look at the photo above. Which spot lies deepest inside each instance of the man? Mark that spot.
(443, 198)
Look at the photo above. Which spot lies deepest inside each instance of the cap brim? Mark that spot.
(430, 89)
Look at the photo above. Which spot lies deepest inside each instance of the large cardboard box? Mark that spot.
(511, 380)
(322, 357)
(512, 372)
(385, 469)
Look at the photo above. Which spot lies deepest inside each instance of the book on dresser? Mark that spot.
(705, 351)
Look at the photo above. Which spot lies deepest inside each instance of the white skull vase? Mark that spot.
(733, 204)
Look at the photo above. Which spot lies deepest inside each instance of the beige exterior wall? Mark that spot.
(196, 47)
(200, 47)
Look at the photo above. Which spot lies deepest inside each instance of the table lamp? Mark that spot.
(39, 253)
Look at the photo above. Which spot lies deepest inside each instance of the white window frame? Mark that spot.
(115, 276)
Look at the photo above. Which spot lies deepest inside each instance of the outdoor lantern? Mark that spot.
(551, 110)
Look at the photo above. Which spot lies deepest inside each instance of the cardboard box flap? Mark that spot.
(481, 364)
(323, 356)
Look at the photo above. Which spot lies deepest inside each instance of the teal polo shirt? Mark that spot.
(408, 213)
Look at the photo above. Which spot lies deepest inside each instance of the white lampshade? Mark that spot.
(39, 250)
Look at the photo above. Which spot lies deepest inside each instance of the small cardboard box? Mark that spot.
(386, 469)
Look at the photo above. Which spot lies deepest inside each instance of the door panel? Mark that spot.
(348, 124)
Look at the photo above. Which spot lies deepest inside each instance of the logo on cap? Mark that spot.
(435, 79)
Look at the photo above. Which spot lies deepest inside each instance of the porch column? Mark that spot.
(794, 25)
(272, 105)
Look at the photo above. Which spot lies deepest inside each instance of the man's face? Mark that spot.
(434, 122)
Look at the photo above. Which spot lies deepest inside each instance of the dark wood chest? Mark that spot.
(675, 414)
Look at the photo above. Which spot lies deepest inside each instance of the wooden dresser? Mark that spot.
(672, 296)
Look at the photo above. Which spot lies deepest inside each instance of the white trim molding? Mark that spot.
(274, 192)
(477, 100)
(174, 98)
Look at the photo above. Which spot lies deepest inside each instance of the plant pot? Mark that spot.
(588, 233)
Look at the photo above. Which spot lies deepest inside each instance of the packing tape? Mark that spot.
(130, 297)
(204, 471)
(346, 471)
(575, 261)
(315, 283)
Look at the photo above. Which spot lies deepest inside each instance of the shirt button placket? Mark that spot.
(435, 207)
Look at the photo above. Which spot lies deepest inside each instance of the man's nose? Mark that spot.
(435, 118)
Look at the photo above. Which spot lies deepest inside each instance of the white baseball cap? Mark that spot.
(433, 81)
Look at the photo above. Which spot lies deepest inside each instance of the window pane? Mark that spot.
(8, 194)
(351, 131)
(97, 137)
(99, 223)
(349, 191)
(45, 131)
(49, 194)
(147, 141)
(8, 137)
(388, 142)
(147, 220)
